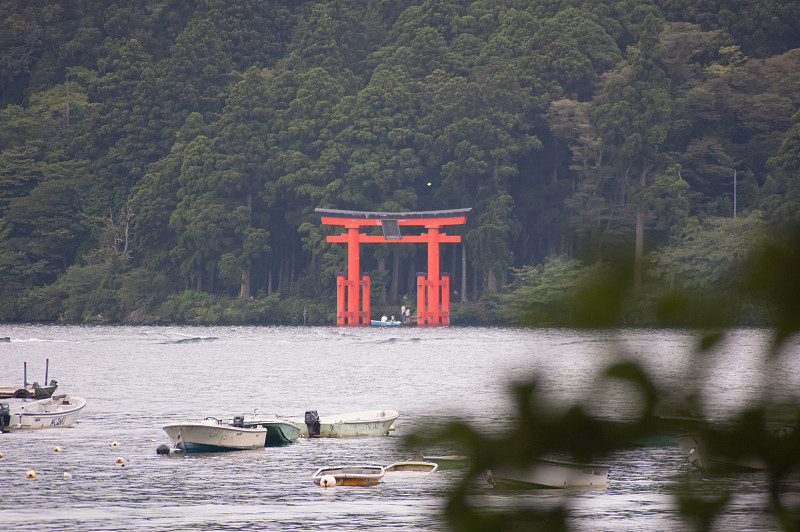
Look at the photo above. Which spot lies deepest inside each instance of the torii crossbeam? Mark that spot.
(433, 292)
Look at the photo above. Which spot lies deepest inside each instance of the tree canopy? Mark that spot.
(191, 143)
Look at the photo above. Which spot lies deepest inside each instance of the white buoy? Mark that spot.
(57, 449)
(120, 460)
(67, 475)
(328, 481)
(1, 455)
(114, 444)
(31, 473)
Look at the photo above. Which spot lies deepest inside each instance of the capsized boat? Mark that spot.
(411, 466)
(59, 411)
(350, 475)
(352, 424)
(550, 474)
(279, 431)
(214, 435)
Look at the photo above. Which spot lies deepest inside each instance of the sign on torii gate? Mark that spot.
(433, 292)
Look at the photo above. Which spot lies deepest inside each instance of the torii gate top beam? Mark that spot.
(425, 218)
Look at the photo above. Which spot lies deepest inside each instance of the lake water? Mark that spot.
(137, 379)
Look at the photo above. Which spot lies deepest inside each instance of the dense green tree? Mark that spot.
(633, 115)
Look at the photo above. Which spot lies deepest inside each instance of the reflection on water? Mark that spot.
(136, 379)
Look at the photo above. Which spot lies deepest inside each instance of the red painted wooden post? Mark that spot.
(365, 297)
(340, 290)
(445, 316)
(353, 274)
(433, 274)
(422, 312)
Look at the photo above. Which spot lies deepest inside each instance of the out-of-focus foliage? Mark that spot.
(765, 433)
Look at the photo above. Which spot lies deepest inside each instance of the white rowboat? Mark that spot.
(550, 474)
(350, 475)
(411, 467)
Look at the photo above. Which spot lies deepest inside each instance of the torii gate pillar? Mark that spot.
(433, 292)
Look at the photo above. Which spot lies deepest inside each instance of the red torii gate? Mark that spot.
(433, 292)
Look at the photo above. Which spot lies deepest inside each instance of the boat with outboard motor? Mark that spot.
(214, 435)
(58, 411)
(244, 432)
(352, 424)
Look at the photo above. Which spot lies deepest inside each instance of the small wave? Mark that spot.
(395, 340)
(8, 339)
(193, 340)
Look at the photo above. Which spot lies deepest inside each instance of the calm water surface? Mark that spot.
(137, 379)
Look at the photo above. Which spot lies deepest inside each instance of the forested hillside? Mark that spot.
(162, 160)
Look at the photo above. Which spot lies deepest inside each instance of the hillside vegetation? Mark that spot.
(162, 160)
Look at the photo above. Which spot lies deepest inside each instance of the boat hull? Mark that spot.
(693, 445)
(448, 461)
(279, 431)
(550, 474)
(206, 438)
(411, 467)
(351, 475)
(351, 425)
(380, 323)
(28, 391)
(60, 411)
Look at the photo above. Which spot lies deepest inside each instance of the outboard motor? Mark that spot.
(5, 416)
(238, 421)
(312, 422)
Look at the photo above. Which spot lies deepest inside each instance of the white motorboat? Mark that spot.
(213, 435)
(366, 423)
(58, 411)
(350, 475)
(550, 474)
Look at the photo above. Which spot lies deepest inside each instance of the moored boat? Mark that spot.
(350, 475)
(59, 411)
(29, 391)
(279, 431)
(550, 474)
(694, 446)
(411, 466)
(388, 323)
(213, 435)
(353, 424)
